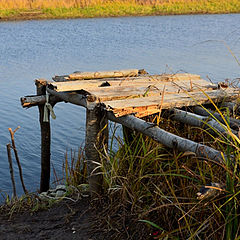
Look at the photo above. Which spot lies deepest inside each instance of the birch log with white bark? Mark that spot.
(233, 123)
(200, 121)
(166, 138)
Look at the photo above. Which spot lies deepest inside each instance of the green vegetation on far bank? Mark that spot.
(41, 9)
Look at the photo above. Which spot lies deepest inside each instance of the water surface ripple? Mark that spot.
(41, 49)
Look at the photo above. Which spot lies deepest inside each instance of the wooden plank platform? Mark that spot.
(122, 94)
(143, 94)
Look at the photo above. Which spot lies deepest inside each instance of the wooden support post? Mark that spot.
(128, 135)
(96, 138)
(45, 140)
(30, 101)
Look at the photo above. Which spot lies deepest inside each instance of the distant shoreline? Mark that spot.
(27, 17)
(119, 8)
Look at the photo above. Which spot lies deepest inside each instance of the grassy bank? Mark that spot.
(43, 9)
(153, 192)
(176, 195)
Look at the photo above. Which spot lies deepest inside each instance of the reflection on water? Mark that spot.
(41, 49)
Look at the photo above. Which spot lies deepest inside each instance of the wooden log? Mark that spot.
(166, 138)
(233, 123)
(17, 158)
(205, 122)
(96, 137)
(75, 98)
(11, 169)
(45, 140)
(101, 74)
(30, 101)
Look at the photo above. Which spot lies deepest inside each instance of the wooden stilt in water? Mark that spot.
(96, 138)
(45, 140)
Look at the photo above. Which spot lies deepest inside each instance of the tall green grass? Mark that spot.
(99, 8)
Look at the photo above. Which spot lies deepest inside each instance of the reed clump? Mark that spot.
(153, 190)
(105, 8)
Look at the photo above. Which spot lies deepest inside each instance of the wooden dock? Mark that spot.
(126, 96)
(144, 94)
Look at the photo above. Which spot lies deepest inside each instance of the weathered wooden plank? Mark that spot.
(144, 106)
(117, 88)
(145, 90)
(150, 105)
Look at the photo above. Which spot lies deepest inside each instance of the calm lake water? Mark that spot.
(41, 49)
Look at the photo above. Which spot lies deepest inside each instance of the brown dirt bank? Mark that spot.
(82, 220)
(64, 220)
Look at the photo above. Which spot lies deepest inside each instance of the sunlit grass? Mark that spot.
(100, 8)
(151, 184)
